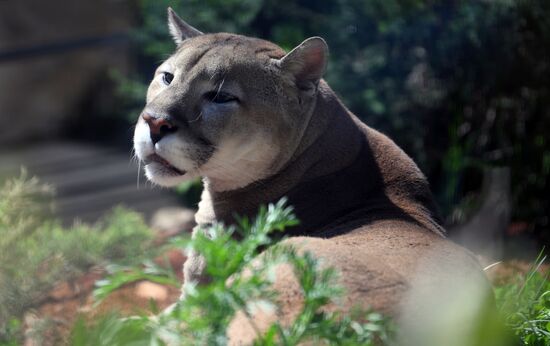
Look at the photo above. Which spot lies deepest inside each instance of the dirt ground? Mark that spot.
(51, 322)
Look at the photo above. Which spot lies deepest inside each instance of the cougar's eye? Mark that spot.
(167, 77)
(220, 97)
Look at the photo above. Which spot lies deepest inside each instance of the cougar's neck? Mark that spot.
(331, 141)
(335, 173)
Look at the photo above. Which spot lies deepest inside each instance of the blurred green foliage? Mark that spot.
(241, 280)
(460, 85)
(235, 285)
(36, 252)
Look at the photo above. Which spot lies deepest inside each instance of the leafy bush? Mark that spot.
(236, 286)
(36, 252)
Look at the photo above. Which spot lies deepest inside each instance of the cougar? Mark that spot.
(258, 124)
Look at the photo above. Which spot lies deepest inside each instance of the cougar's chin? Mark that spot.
(161, 172)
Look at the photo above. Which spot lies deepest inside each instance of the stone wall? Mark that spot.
(51, 53)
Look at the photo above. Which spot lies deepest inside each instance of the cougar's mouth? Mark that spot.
(164, 163)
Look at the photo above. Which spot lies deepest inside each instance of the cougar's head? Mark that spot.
(230, 108)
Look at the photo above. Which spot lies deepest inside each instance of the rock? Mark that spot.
(150, 290)
(60, 50)
(170, 221)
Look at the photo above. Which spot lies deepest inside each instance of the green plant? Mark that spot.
(36, 252)
(525, 305)
(241, 281)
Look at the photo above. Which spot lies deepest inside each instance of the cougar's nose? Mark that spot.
(159, 126)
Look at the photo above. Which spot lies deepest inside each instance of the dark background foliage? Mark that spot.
(461, 86)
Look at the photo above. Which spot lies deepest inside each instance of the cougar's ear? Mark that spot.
(307, 62)
(179, 29)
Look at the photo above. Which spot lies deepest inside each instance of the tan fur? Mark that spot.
(365, 207)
